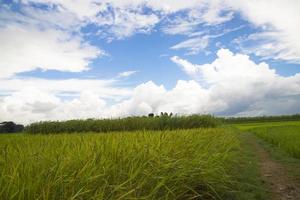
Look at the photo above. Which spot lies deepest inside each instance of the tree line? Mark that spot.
(10, 127)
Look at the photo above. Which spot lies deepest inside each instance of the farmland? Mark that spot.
(196, 160)
(152, 165)
(287, 138)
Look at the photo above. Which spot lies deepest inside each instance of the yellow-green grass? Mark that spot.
(286, 138)
(179, 164)
(248, 126)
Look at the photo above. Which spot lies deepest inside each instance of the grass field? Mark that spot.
(138, 165)
(248, 126)
(205, 163)
(286, 138)
(182, 164)
(284, 135)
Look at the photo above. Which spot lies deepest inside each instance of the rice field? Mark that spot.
(286, 138)
(200, 163)
(180, 164)
(249, 126)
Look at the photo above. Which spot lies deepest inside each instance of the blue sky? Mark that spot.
(113, 58)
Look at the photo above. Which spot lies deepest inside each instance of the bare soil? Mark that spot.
(275, 175)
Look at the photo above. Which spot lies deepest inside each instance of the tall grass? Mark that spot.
(287, 138)
(180, 164)
(124, 124)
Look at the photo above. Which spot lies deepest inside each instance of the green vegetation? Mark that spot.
(10, 127)
(286, 138)
(165, 157)
(180, 164)
(261, 119)
(249, 126)
(163, 122)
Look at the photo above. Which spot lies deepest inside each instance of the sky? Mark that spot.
(78, 59)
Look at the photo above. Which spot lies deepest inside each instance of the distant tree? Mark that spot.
(150, 115)
(19, 128)
(10, 127)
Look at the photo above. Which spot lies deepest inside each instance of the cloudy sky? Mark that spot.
(65, 59)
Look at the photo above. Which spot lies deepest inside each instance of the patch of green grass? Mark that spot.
(286, 138)
(129, 165)
(249, 126)
(182, 164)
(251, 185)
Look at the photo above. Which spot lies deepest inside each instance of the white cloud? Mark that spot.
(32, 99)
(180, 26)
(231, 85)
(83, 9)
(118, 19)
(186, 66)
(122, 19)
(115, 19)
(201, 16)
(123, 23)
(199, 41)
(166, 6)
(66, 87)
(127, 73)
(193, 45)
(50, 39)
(28, 48)
(237, 83)
(227, 68)
(27, 106)
(279, 22)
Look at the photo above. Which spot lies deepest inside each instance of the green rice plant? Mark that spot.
(252, 125)
(179, 164)
(287, 138)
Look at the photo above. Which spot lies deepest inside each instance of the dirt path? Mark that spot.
(281, 186)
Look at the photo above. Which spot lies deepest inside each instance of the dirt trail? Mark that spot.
(281, 186)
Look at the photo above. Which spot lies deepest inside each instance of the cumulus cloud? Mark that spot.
(186, 66)
(238, 83)
(47, 35)
(230, 85)
(34, 99)
(30, 105)
(28, 48)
